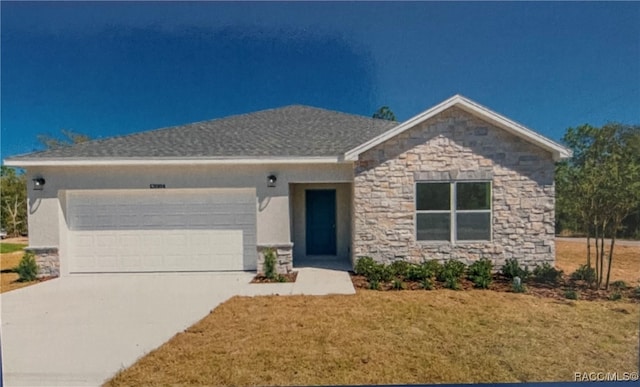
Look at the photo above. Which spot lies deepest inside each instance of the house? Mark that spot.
(457, 181)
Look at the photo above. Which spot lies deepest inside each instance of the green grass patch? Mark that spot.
(11, 247)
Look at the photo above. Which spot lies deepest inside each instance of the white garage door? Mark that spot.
(161, 230)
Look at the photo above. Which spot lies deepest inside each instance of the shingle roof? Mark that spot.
(291, 131)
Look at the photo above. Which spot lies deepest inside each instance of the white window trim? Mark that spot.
(452, 211)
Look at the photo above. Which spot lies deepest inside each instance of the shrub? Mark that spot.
(280, 278)
(479, 273)
(381, 273)
(512, 269)
(374, 285)
(399, 268)
(620, 285)
(427, 284)
(584, 273)
(615, 296)
(571, 294)
(270, 263)
(546, 273)
(397, 284)
(451, 273)
(27, 268)
(517, 285)
(433, 267)
(365, 266)
(420, 272)
(373, 270)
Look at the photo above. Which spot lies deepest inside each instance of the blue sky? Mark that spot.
(107, 69)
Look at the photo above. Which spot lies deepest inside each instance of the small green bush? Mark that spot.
(397, 284)
(421, 272)
(571, 294)
(433, 266)
(451, 273)
(620, 285)
(270, 264)
(584, 273)
(415, 273)
(512, 269)
(426, 284)
(280, 278)
(518, 286)
(365, 266)
(479, 273)
(27, 268)
(372, 270)
(399, 268)
(615, 296)
(382, 273)
(546, 273)
(374, 285)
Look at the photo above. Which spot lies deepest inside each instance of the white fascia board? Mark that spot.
(558, 151)
(166, 161)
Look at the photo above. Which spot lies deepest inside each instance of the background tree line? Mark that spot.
(13, 185)
(598, 191)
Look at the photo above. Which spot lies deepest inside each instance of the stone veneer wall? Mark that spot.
(284, 258)
(453, 144)
(48, 261)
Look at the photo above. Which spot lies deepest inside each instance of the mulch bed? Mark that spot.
(289, 277)
(503, 284)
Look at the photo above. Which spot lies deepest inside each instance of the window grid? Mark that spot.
(453, 211)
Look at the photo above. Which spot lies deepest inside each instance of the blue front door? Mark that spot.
(321, 221)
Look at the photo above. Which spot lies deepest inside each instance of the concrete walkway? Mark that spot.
(80, 330)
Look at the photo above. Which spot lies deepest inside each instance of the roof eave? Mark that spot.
(81, 162)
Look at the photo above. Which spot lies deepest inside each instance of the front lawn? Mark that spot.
(10, 258)
(374, 337)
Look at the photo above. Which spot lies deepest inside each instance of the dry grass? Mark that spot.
(626, 260)
(394, 337)
(8, 261)
(9, 279)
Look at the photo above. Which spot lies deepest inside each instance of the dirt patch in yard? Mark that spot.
(20, 240)
(626, 260)
(280, 278)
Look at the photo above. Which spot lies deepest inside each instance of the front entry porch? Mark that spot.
(321, 225)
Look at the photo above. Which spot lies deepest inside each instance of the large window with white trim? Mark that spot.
(453, 211)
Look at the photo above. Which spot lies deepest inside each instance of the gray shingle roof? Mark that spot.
(291, 131)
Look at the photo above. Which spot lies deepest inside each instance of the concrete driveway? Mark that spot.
(80, 330)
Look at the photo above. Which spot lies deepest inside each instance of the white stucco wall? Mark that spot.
(46, 207)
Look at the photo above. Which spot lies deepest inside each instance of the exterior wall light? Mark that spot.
(271, 180)
(38, 183)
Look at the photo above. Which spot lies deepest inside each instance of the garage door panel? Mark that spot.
(174, 230)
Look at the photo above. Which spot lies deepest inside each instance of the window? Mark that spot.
(453, 211)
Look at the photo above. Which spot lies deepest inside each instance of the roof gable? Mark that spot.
(558, 151)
